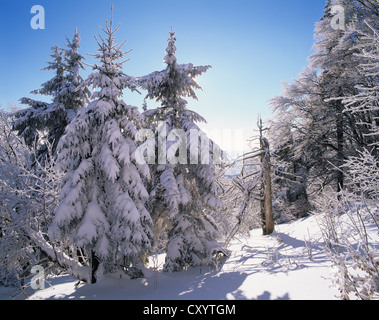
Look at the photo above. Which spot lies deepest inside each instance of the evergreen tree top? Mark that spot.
(74, 95)
(109, 76)
(171, 85)
(73, 58)
(68, 94)
(170, 58)
(54, 85)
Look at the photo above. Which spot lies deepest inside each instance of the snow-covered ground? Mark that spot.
(289, 264)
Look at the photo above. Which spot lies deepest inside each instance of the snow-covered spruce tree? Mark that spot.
(102, 209)
(30, 122)
(44, 121)
(74, 94)
(184, 190)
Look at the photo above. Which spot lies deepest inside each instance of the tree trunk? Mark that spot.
(267, 214)
(94, 266)
(268, 225)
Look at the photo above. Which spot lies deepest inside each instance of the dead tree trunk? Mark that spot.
(268, 224)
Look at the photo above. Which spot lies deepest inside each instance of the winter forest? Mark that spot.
(96, 190)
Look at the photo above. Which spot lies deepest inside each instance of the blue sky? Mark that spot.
(251, 45)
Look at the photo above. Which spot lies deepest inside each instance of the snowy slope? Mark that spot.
(260, 267)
